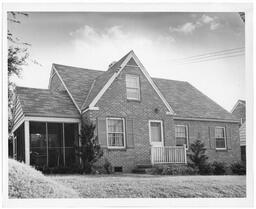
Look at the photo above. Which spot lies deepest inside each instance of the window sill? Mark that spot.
(221, 149)
(117, 148)
(133, 100)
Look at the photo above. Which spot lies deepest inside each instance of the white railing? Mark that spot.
(170, 154)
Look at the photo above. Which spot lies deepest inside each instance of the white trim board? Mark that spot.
(141, 67)
(206, 119)
(73, 100)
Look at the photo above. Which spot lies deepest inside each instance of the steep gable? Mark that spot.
(77, 80)
(101, 81)
(113, 73)
(239, 110)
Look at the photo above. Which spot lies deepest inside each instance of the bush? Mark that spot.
(206, 169)
(218, 168)
(26, 182)
(197, 156)
(108, 167)
(154, 171)
(179, 170)
(238, 168)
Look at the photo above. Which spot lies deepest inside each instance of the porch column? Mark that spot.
(27, 143)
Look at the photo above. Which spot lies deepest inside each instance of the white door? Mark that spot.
(156, 133)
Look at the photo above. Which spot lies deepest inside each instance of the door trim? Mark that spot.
(162, 134)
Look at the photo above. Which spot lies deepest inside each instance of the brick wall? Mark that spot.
(201, 130)
(114, 104)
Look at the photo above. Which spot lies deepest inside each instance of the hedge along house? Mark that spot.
(139, 119)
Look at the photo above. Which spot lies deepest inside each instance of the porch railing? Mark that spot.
(169, 154)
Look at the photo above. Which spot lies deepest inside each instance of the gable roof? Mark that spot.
(188, 102)
(101, 81)
(239, 102)
(113, 72)
(77, 80)
(43, 102)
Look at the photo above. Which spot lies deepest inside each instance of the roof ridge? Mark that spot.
(169, 79)
(81, 68)
(24, 87)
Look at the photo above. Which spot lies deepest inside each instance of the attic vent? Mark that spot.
(111, 64)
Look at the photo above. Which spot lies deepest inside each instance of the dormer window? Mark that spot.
(132, 87)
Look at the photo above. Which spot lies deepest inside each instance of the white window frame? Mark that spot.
(186, 129)
(114, 118)
(137, 88)
(162, 133)
(223, 148)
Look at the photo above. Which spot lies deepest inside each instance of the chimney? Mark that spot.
(111, 64)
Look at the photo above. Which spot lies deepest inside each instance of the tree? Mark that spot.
(198, 156)
(90, 150)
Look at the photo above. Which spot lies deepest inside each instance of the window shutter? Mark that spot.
(188, 133)
(129, 134)
(228, 137)
(212, 137)
(102, 134)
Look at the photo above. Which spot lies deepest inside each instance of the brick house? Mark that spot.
(139, 119)
(239, 111)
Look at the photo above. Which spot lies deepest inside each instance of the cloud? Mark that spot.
(99, 47)
(190, 27)
(187, 28)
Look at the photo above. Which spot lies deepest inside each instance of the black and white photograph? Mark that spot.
(130, 103)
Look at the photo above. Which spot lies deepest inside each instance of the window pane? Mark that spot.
(132, 81)
(219, 133)
(180, 141)
(180, 131)
(155, 131)
(220, 143)
(38, 144)
(115, 132)
(133, 94)
(116, 139)
(115, 125)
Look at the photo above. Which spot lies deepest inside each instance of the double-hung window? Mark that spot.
(115, 132)
(132, 87)
(181, 135)
(220, 138)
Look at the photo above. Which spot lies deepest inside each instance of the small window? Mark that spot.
(181, 135)
(220, 138)
(133, 87)
(115, 132)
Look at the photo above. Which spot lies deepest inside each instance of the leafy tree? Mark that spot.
(90, 150)
(198, 156)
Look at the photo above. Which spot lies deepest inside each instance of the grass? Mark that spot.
(147, 186)
(26, 182)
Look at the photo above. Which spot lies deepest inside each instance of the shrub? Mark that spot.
(90, 150)
(206, 169)
(154, 171)
(179, 170)
(197, 155)
(238, 168)
(26, 182)
(218, 168)
(107, 165)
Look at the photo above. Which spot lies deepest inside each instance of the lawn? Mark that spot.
(148, 186)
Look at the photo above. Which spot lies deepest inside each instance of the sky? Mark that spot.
(167, 44)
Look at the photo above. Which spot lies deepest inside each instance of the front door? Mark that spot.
(156, 133)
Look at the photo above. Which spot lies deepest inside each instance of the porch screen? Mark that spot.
(38, 144)
(155, 131)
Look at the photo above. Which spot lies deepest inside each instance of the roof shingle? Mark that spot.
(43, 102)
